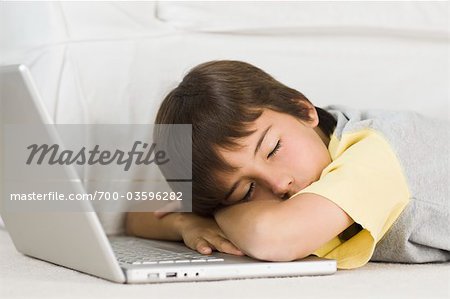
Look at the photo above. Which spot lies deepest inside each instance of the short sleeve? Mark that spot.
(366, 180)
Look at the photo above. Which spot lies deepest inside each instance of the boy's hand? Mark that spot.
(204, 235)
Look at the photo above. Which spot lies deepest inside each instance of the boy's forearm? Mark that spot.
(244, 224)
(284, 230)
(146, 225)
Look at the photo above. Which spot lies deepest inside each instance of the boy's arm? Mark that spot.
(198, 233)
(283, 230)
(147, 225)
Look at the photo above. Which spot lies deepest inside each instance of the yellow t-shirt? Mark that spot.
(366, 180)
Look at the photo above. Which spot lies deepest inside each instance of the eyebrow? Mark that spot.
(258, 146)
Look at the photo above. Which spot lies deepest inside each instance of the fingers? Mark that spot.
(203, 247)
(223, 245)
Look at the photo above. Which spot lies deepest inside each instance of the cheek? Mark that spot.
(305, 155)
(295, 152)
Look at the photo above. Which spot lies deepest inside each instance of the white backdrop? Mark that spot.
(113, 62)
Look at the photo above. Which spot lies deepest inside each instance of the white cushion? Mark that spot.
(430, 18)
(114, 62)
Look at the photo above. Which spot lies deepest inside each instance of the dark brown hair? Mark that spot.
(221, 99)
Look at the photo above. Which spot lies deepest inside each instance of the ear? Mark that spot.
(312, 113)
(314, 117)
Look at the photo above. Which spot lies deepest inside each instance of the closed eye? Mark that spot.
(249, 193)
(275, 150)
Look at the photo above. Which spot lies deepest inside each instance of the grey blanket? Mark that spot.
(422, 232)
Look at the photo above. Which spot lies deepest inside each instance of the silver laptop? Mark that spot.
(77, 240)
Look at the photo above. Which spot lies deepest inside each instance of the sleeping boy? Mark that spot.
(278, 179)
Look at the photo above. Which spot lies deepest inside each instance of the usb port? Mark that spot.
(171, 274)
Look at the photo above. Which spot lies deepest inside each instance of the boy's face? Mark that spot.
(283, 156)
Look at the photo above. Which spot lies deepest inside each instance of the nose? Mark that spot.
(281, 186)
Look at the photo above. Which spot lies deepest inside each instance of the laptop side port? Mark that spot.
(152, 275)
(171, 274)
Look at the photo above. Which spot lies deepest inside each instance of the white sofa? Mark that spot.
(113, 62)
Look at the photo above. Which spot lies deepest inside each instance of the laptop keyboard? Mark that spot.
(137, 251)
